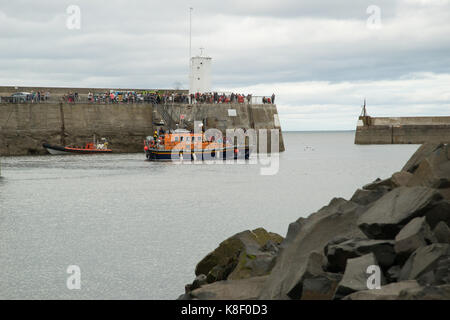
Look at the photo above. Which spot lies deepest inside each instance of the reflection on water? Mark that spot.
(138, 228)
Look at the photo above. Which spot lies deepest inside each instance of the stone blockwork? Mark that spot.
(404, 130)
(24, 127)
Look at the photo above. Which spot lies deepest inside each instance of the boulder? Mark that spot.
(425, 263)
(401, 179)
(415, 234)
(243, 255)
(356, 276)
(308, 235)
(312, 268)
(338, 253)
(445, 193)
(244, 289)
(433, 171)
(439, 212)
(424, 151)
(442, 232)
(393, 273)
(379, 184)
(388, 292)
(426, 293)
(385, 218)
(365, 197)
(320, 287)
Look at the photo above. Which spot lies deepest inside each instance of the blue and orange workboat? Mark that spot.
(184, 145)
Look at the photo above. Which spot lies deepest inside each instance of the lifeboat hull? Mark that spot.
(60, 150)
(191, 155)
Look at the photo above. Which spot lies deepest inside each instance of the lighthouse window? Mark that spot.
(198, 78)
(198, 68)
(181, 138)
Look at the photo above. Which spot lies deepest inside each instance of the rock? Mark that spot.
(243, 255)
(426, 293)
(415, 234)
(393, 273)
(401, 178)
(199, 281)
(356, 276)
(244, 289)
(307, 235)
(313, 268)
(425, 260)
(445, 193)
(434, 170)
(424, 151)
(385, 218)
(439, 212)
(365, 197)
(338, 253)
(379, 184)
(442, 232)
(387, 292)
(320, 287)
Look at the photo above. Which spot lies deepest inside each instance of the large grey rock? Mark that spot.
(338, 253)
(385, 218)
(401, 179)
(356, 276)
(365, 197)
(422, 152)
(244, 289)
(426, 293)
(442, 232)
(243, 255)
(320, 287)
(379, 184)
(415, 234)
(393, 273)
(312, 268)
(424, 261)
(388, 292)
(438, 275)
(434, 170)
(439, 212)
(308, 235)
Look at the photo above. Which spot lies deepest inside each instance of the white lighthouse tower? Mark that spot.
(200, 74)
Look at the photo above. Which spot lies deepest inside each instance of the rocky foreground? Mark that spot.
(400, 224)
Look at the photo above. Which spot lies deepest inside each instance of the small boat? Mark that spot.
(89, 148)
(184, 145)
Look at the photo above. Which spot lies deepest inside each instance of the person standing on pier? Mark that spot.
(273, 98)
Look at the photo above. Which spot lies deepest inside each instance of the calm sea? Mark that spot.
(136, 229)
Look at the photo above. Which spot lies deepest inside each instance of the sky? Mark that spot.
(321, 58)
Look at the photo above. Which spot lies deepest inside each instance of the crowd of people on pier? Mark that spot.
(154, 97)
(172, 97)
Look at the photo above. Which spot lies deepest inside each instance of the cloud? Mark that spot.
(284, 46)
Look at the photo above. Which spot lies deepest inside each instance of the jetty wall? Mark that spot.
(25, 126)
(402, 130)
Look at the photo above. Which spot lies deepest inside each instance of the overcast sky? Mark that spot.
(320, 58)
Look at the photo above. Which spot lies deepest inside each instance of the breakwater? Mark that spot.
(402, 130)
(390, 240)
(25, 126)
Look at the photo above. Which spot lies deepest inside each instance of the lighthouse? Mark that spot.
(200, 74)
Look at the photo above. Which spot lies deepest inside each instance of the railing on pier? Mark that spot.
(151, 99)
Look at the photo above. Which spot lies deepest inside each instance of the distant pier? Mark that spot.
(402, 130)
